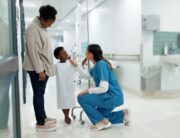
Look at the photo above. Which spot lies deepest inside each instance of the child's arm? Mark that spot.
(73, 62)
(80, 70)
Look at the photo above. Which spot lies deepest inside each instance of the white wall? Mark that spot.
(116, 26)
(168, 11)
(169, 21)
(69, 39)
(82, 31)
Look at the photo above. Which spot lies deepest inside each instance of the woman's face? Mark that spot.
(89, 55)
(46, 23)
(63, 56)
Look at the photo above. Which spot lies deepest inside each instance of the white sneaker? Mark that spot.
(49, 120)
(126, 117)
(101, 126)
(46, 127)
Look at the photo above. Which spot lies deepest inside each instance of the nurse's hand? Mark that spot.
(84, 61)
(83, 92)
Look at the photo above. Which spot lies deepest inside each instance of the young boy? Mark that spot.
(65, 72)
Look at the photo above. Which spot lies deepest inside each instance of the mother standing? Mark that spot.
(99, 102)
(38, 63)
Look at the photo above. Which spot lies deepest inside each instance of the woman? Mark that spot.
(99, 102)
(38, 63)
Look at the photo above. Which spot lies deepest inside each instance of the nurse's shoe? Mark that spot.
(126, 117)
(101, 125)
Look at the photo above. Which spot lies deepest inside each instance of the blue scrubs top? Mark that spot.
(102, 72)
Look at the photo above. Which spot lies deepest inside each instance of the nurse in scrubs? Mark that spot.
(98, 102)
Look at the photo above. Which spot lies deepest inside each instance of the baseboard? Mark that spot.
(155, 94)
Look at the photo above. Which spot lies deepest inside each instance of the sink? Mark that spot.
(171, 59)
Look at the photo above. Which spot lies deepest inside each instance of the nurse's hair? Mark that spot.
(47, 12)
(97, 52)
(57, 51)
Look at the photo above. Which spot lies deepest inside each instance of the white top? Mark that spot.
(103, 87)
(65, 73)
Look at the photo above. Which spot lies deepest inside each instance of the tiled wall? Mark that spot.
(162, 38)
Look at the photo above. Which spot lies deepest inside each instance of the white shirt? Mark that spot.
(103, 86)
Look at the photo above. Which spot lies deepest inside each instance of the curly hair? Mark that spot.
(47, 12)
(57, 51)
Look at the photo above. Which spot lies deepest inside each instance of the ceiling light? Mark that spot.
(28, 19)
(29, 5)
(68, 21)
(84, 9)
(59, 28)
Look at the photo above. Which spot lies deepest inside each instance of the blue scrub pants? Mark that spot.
(100, 106)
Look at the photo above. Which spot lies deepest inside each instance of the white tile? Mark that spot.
(150, 118)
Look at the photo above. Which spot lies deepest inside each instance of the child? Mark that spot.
(65, 71)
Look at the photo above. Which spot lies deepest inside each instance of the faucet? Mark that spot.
(173, 46)
(166, 48)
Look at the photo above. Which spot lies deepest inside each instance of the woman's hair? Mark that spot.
(47, 12)
(57, 51)
(97, 52)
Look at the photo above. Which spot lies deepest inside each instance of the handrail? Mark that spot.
(122, 57)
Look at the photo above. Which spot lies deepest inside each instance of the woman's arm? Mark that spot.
(103, 88)
(84, 61)
(83, 73)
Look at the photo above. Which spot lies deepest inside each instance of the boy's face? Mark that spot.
(63, 56)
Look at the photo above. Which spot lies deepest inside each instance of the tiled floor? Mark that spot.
(150, 118)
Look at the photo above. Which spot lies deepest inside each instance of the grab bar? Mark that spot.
(122, 57)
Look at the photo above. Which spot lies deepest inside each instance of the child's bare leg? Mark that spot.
(67, 119)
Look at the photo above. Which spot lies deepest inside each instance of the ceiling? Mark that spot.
(63, 7)
(66, 16)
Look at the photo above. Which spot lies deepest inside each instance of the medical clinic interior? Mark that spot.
(89, 68)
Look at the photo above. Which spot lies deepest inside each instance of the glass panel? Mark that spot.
(7, 108)
(82, 34)
(6, 118)
(5, 48)
(170, 40)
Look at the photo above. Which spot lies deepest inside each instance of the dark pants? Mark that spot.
(38, 96)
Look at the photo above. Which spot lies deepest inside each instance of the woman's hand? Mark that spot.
(42, 76)
(84, 61)
(83, 92)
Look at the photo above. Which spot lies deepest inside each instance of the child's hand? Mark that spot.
(83, 92)
(73, 62)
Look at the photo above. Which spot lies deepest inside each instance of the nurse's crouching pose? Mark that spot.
(99, 102)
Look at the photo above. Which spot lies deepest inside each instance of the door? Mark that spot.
(9, 87)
